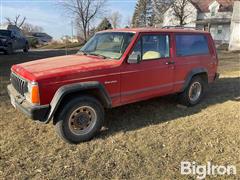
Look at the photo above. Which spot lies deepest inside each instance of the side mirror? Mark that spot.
(134, 58)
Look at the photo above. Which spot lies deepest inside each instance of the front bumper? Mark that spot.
(4, 48)
(39, 113)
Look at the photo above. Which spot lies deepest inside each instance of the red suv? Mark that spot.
(114, 68)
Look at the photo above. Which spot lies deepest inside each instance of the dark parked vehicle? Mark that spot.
(11, 40)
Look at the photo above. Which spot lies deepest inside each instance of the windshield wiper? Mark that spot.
(99, 55)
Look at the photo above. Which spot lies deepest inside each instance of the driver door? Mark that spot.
(14, 40)
(153, 75)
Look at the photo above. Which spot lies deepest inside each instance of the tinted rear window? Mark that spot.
(188, 45)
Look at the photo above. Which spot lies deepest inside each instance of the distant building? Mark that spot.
(214, 16)
(43, 38)
(234, 43)
(66, 38)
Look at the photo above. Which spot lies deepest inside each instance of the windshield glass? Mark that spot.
(5, 33)
(109, 44)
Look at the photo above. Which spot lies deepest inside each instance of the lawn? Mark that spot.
(143, 140)
(61, 46)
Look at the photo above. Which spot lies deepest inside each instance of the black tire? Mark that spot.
(26, 48)
(9, 49)
(64, 120)
(185, 97)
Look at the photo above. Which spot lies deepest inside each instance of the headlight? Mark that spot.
(33, 93)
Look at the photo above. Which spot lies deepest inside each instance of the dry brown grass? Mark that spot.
(143, 140)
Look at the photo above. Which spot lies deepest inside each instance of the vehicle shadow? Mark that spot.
(160, 110)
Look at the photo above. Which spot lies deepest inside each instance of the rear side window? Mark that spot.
(188, 45)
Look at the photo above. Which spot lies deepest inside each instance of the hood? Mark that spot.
(62, 65)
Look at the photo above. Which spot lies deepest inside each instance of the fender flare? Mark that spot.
(77, 87)
(191, 74)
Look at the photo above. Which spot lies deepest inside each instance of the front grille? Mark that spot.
(19, 84)
(1, 44)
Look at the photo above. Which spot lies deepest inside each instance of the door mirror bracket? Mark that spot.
(134, 58)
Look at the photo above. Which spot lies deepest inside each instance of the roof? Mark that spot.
(145, 30)
(202, 5)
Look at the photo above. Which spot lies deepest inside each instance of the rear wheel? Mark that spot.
(194, 93)
(80, 120)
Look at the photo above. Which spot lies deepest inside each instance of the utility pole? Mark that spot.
(72, 29)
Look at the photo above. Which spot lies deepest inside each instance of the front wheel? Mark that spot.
(194, 93)
(26, 48)
(80, 120)
(9, 49)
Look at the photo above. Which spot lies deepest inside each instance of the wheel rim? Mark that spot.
(82, 120)
(195, 91)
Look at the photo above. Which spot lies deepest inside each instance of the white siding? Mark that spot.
(218, 15)
(224, 36)
(235, 28)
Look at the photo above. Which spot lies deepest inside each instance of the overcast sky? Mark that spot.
(47, 14)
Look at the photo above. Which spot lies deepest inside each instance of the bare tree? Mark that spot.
(28, 28)
(17, 21)
(84, 11)
(115, 19)
(159, 8)
(128, 22)
(181, 12)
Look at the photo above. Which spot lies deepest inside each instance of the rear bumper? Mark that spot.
(38, 113)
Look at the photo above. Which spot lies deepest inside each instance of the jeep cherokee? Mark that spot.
(114, 68)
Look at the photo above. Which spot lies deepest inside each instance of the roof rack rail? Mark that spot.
(181, 27)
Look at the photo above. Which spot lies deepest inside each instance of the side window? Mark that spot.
(152, 47)
(188, 45)
(14, 33)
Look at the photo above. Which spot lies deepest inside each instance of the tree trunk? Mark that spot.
(181, 22)
(85, 33)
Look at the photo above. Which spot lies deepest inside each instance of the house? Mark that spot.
(214, 16)
(73, 39)
(234, 43)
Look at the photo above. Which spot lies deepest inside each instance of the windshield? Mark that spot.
(108, 45)
(5, 33)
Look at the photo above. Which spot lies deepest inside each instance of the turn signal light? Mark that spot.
(35, 98)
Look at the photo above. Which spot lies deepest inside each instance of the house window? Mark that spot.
(219, 29)
(213, 10)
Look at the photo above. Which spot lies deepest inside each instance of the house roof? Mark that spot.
(202, 5)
